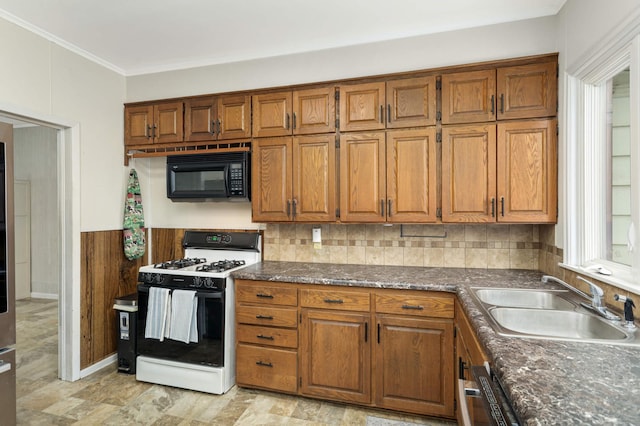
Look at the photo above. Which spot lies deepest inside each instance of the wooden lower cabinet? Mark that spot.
(335, 360)
(267, 368)
(414, 365)
(392, 349)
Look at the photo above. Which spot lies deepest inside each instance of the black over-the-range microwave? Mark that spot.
(223, 176)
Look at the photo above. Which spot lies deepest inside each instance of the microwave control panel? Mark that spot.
(236, 179)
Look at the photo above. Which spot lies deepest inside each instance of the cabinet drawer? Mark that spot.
(267, 368)
(438, 306)
(266, 293)
(271, 336)
(335, 299)
(267, 315)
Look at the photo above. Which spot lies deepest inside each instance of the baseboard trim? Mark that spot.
(112, 359)
(51, 296)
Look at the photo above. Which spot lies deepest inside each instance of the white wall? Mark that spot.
(40, 78)
(524, 38)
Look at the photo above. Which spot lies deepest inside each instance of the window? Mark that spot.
(619, 171)
(602, 186)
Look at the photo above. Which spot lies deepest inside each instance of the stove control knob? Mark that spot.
(197, 282)
(208, 282)
(147, 277)
(158, 278)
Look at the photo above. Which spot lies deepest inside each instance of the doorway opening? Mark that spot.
(48, 217)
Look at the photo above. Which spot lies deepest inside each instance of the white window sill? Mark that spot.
(620, 278)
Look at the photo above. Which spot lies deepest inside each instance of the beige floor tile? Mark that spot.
(110, 398)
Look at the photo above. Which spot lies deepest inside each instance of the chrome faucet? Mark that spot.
(596, 297)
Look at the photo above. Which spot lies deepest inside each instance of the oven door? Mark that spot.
(482, 402)
(211, 329)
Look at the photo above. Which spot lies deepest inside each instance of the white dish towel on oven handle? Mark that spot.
(184, 314)
(158, 314)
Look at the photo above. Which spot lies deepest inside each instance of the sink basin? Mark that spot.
(524, 298)
(556, 323)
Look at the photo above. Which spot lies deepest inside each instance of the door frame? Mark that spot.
(68, 162)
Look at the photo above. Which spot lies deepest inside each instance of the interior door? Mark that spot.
(22, 208)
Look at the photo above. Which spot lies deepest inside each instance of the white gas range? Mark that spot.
(204, 361)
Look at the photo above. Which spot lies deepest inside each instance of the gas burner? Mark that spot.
(220, 266)
(179, 263)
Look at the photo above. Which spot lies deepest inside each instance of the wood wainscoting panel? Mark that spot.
(105, 275)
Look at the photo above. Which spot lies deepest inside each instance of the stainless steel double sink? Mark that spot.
(548, 314)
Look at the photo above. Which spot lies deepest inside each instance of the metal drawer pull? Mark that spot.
(416, 307)
(261, 336)
(265, 296)
(268, 317)
(264, 364)
(4, 367)
(333, 301)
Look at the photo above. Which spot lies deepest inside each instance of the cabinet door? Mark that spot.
(138, 125)
(271, 179)
(200, 119)
(528, 91)
(411, 102)
(362, 107)
(469, 97)
(411, 175)
(272, 114)
(414, 365)
(335, 355)
(362, 177)
(314, 178)
(468, 173)
(314, 111)
(234, 117)
(527, 171)
(169, 122)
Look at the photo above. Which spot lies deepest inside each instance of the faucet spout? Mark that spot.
(596, 296)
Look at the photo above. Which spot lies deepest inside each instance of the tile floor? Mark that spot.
(109, 398)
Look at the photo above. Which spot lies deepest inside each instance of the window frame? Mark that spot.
(586, 134)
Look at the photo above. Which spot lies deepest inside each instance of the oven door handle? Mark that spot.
(218, 294)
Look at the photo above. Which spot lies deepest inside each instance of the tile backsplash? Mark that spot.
(470, 246)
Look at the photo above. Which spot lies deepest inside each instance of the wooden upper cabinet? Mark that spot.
(293, 179)
(469, 97)
(200, 119)
(271, 179)
(506, 175)
(138, 125)
(314, 178)
(218, 118)
(469, 173)
(314, 111)
(411, 102)
(362, 107)
(362, 177)
(411, 175)
(149, 124)
(272, 114)
(168, 118)
(527, 171)
(234, 117)
(301, 112)
(528, 91)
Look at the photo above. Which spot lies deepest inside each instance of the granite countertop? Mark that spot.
(547, 381)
